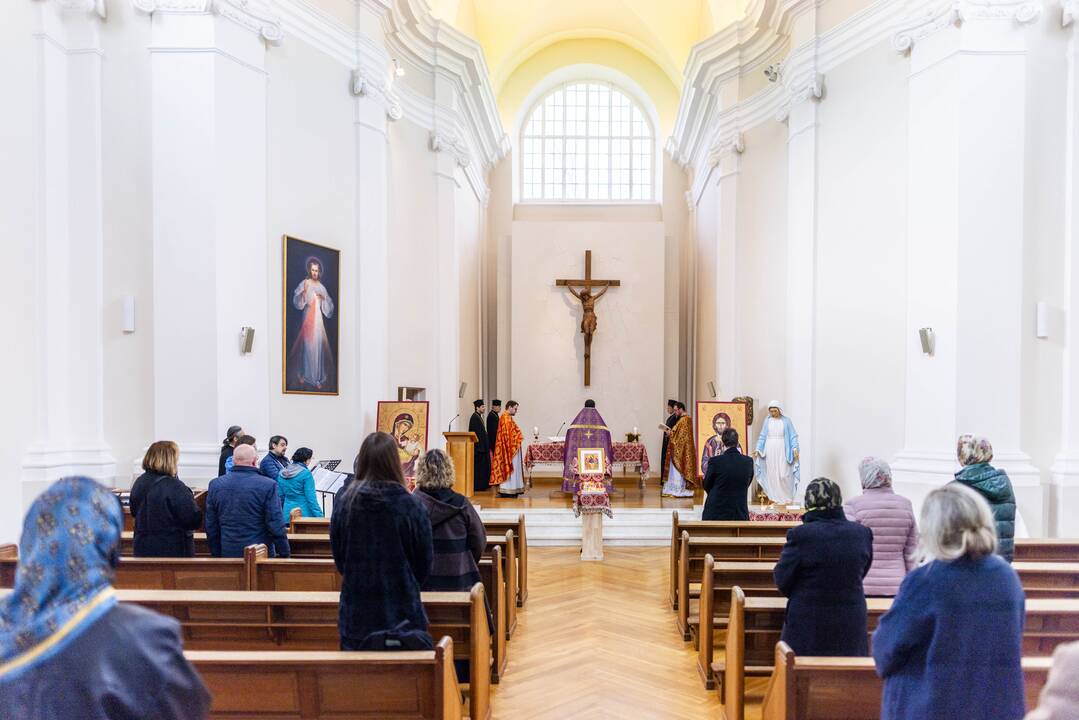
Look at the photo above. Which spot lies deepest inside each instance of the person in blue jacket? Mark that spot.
(951, 645)
(243, 508)
(296, 486)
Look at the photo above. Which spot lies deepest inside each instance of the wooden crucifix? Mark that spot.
(588, 307)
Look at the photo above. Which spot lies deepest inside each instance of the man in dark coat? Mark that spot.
(228, 445)
(482, 466)
(243, 508)
(670, 422)
(727, 482)
(820, 571)
(492, 423)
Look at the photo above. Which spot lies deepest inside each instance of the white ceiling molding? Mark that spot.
(255, 15)
(97, 7)
(315, 27)
(937, 16)
(763, 38)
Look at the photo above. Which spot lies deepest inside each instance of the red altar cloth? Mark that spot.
(552, 452)
(591, 497)
(783, 515)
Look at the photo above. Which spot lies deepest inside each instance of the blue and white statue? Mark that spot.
(776, 457)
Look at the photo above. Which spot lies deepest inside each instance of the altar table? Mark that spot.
(625, 454)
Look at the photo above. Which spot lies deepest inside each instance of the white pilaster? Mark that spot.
(1064, 487)
(804, 88)
(375, 106)
(208, 114)
(70, 433)
(965, 225)
(726, 154)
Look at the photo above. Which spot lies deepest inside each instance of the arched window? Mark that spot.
(587, 141)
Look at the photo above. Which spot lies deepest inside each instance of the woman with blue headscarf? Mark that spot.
(68, 649)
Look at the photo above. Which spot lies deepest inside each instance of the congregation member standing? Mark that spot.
(507, 463)
(296, 485)
(164, 509)
(381, 540)
(275, 461)
(991, 483)
(481, 472)
(891, 518)
(242, 440)
(68, 648)
(820, 570)
(458, 532)
(243, 508)
(727, 481)
(492, 424)
(228, 445)
(951, 645)
(1059, 698)
(665, 428)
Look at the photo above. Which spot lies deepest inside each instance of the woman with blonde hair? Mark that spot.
(164, 509)
(456, 527)
(951, 644)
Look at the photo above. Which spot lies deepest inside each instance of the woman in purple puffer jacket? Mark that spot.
(895, 532)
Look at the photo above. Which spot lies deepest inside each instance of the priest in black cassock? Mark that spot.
(482, 448)
(669, 424)
(492, 423)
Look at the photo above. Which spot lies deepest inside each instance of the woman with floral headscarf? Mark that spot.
(991, 483)
(820, 570)
(891, 518)
(68, 649)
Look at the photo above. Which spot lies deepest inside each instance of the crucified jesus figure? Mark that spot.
(588, 300)
(588, 306)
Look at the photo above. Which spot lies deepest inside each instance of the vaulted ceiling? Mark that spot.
(512, 31)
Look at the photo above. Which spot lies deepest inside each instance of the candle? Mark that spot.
(535, 430)
(634, 429)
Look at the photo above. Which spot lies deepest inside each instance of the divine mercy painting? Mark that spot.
(311, 285)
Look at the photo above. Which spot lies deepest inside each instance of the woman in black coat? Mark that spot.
(381, 539)
(164, 509)
(820, 571)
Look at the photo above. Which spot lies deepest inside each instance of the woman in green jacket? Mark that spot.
(991, 483)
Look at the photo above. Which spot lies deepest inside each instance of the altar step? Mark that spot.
(634, 527)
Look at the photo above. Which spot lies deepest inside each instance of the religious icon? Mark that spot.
(407, 423)
(590, 461)
(715, 417)
(311, 282)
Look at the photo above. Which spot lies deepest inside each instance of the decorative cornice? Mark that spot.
(363, 85)
(953, 13)
(1069, 13)
(254, 15)
(96, 7)
(444, 142)
(733, 144)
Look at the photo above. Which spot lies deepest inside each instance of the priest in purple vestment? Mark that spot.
(588, 430)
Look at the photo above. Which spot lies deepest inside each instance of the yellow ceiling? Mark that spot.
(512, 31)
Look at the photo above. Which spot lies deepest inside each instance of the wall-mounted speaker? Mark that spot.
(461, 390)
(1041, 319)
(128, 321)
(928, 340)
(247, 339)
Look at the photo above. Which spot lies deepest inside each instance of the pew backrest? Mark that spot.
(323, 685)
(1047, 550)
(1049, 579)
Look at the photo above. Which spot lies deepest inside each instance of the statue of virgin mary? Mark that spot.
(776, 457)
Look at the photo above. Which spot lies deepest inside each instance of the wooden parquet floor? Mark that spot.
(597, 640)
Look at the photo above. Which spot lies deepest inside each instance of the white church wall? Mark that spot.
(761, 260)
(470, 264)
(547, 346)
(676, 224)
(861, 266)
(21, 363)
(704, 310)
(312, 179)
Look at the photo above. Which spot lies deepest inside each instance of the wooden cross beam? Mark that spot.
(588, 307)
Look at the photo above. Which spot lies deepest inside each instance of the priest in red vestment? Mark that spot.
(507, 462)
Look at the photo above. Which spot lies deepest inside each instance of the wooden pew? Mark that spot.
(501, 527)
(300, 546)
(508, 544)
(163, 573)
(1047, 550)
(755, 625)
(323, 685)
(308, 621)
(836, 688)
(9, 563)
(724, 549)
(718, 528)
(321, 526)
(754, 577)
(492, 579)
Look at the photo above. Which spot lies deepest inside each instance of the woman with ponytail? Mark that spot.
(950, 647)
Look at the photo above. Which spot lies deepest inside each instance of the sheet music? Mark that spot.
(329, 464)
(328, 480)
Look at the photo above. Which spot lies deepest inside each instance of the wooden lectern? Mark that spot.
(459, 448)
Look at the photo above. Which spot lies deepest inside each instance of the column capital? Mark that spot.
(255, 15)
(810, 89)
(364, 84)
(441, 141)
(95, 7)
(731, 144)
(937, 17)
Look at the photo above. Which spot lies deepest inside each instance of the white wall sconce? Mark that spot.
(928, 339)
(1041, 320)
(127, 321)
